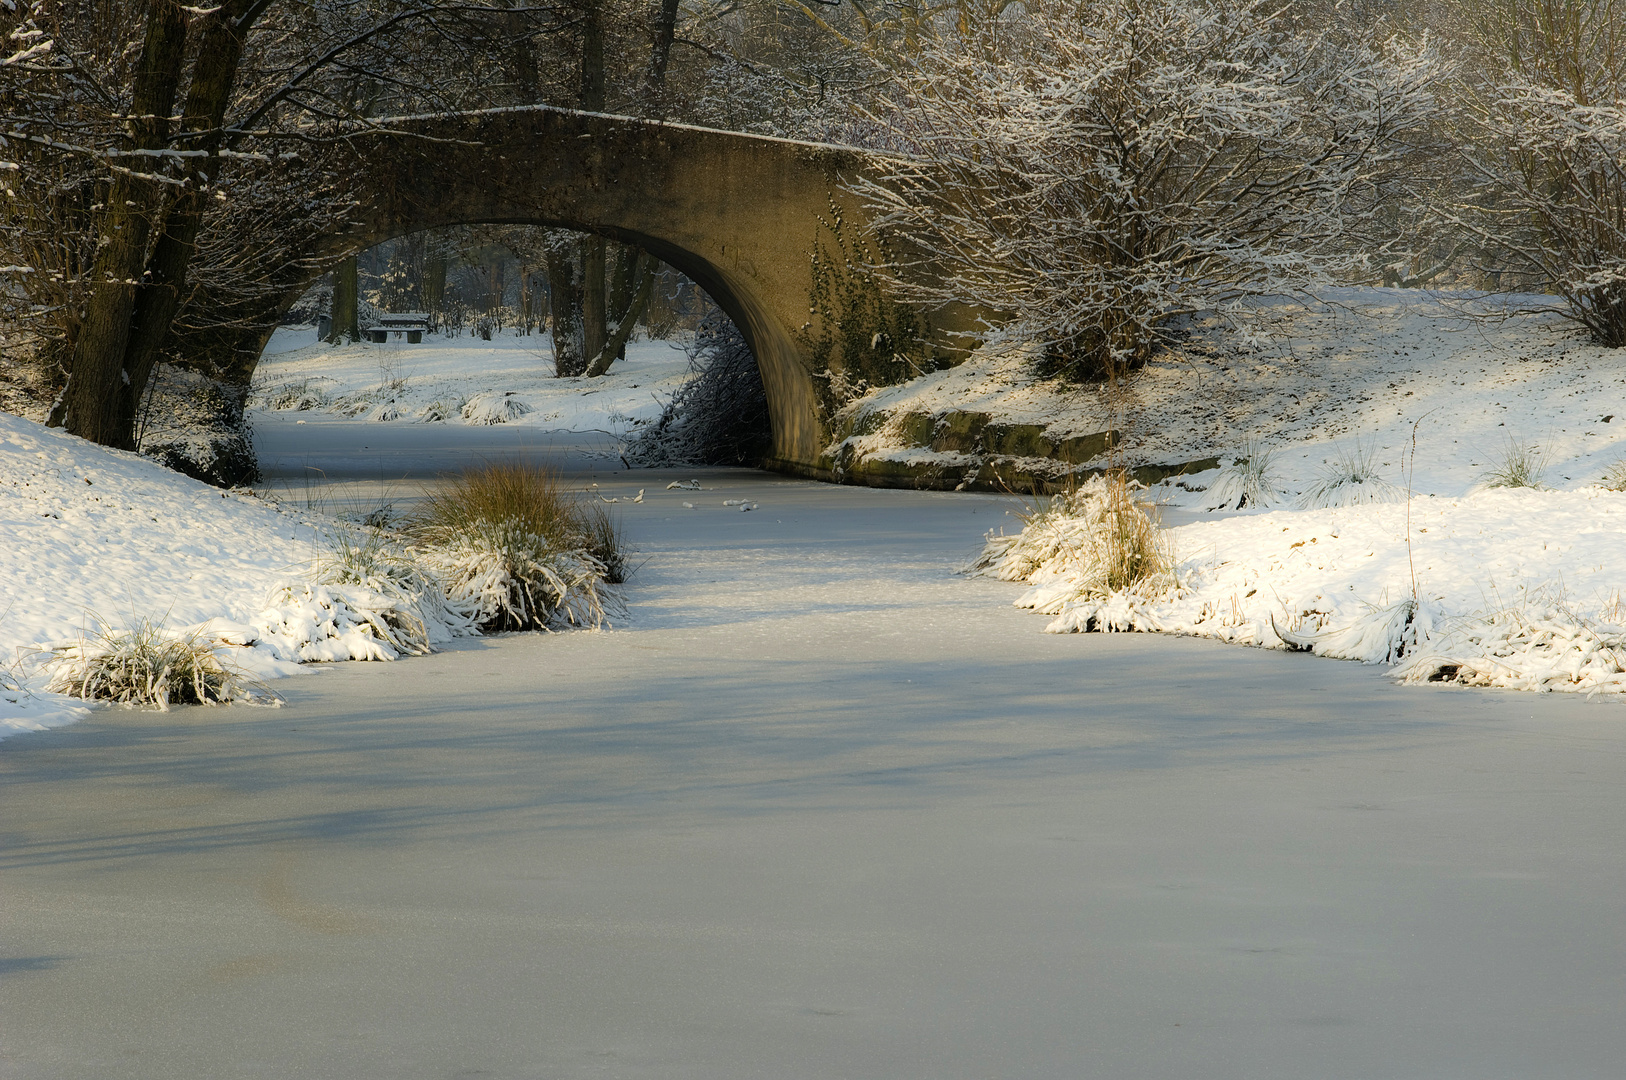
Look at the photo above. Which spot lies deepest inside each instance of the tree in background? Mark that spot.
(1540, 124)
(1093, 171)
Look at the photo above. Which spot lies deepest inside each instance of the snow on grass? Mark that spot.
(113, 564)
(1248, 481)
(150, 665)
(89, 536)
(1508, 587)
(519, 550)
(1097, 537)
(1351, 478)
(464, 380)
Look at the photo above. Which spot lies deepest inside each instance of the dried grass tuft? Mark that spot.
(1248, 482)
(1351, 480)
(1520, 465)
(605, 542)
(513, 545)
(148, 666)
(1097, 535)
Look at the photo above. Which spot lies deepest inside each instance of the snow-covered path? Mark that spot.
(821, 809)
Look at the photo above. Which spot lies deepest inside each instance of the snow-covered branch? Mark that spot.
(1541, 129)
(1094, 170)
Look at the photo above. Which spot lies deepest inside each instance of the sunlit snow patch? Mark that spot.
(1512, 588)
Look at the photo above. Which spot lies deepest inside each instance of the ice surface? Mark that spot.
(822, 808)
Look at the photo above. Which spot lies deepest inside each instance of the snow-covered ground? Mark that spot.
(93, 537)
(1516, 588)
(1421, 393)
(463, 380)
(1365, 364)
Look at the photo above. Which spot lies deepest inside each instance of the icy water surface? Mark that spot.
(818, 808)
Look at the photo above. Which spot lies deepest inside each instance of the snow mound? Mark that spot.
(1514, 588)
(496, 407)
(314, 621)
(97, 543)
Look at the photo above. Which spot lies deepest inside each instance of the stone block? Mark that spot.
(960, 431)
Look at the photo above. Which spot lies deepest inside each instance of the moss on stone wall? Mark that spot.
(857, 337)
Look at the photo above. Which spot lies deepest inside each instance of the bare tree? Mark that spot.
(1541, 122)
(189, 148)
(1091, 171)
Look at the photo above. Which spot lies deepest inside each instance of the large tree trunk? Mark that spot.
(665, 32)
(91, 402)
(346, 313)
(159, 298)
(565, 296)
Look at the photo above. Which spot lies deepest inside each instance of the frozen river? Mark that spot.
(818, 808)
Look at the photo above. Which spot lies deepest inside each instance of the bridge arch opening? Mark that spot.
(486, 276)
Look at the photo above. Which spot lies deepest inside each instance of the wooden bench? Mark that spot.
(411, 324)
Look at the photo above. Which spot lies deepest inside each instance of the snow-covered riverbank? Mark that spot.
(1432, 401)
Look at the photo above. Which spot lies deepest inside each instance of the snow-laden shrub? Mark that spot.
(367, 598)
(494, 408)
(1540, 643)
(1384, 634)
(1351, 479)
(442, 408)
(1096, 537)
(718, 417)
(312, 621)
(1518, 465)
(197, 425)
(514, 580)
(1614, 477)
(1539, 115)
(1098, 169)
(356, 402)
(371, 558)
(298, 396)
(516, 549)
(148, 666)
(1249, 481)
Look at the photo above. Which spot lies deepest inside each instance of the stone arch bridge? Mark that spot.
(760, 223)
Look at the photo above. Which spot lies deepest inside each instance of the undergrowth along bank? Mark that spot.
(1518, 588)
(502, 547)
